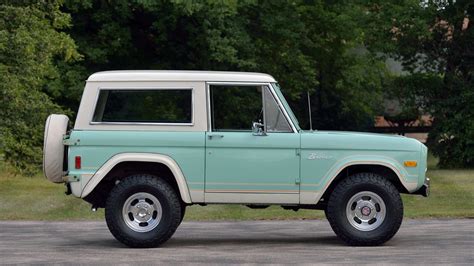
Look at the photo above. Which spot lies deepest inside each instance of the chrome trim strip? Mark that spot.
(208, 107)
(237, 83)
(252, 191)
(141, 123)
(264, 122)
(193, 111)
(251, 184)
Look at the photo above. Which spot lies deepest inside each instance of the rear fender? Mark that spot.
(139, 157)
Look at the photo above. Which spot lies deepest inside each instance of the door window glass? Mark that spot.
(235, 107)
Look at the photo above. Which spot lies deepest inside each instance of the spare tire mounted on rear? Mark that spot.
(53, 149)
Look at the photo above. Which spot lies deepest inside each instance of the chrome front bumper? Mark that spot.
(425, 189)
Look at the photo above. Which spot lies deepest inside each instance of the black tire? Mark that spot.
(169, 203)
(183, 212)
(351, 186)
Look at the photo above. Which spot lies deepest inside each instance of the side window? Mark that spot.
(275, 121)
(144, 106)
(236, 107)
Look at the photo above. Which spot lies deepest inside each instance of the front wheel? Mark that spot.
(365, 210)
(143, 211)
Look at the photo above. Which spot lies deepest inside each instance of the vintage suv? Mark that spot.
(146, 144)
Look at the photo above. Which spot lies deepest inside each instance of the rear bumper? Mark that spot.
(425, 189)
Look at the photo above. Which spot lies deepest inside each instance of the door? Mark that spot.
(251, 150)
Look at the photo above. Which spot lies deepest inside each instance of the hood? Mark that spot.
(345, 140)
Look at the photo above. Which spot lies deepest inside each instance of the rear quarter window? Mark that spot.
(166, 106)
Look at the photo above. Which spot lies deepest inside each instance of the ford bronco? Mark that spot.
(147, 144)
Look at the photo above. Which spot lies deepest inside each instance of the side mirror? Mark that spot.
(258, 129)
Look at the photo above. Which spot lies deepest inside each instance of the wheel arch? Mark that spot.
(122, 164)
(391, 171)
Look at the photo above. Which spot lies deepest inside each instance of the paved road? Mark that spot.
(418, 241)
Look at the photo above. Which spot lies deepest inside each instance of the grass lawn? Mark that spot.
(35, 198)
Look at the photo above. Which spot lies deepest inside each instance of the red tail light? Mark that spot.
(78, 162)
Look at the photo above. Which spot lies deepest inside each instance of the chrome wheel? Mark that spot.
(365, 211)
(142, 212)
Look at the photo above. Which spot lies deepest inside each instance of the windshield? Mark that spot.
(286, 105)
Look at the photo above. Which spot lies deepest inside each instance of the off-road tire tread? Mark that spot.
(152, 181)
(336, 202)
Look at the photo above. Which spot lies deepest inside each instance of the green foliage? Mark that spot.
(433, 39)
(30, 42)
(306, 45)
(333, 49)
(452, 136)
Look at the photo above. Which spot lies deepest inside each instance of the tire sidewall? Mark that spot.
(114, 213)
(392, 217)
(53, 147)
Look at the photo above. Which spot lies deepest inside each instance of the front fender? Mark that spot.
(404, 177)
(139, 157)
(319, 169)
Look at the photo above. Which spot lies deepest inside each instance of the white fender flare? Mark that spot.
(396, 167)
(314, 197)
(139, 157)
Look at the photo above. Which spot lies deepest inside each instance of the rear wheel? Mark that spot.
(142, 211)
(365, 209)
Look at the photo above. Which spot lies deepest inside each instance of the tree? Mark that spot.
(30, 43)
(306, 45)
(434, 41)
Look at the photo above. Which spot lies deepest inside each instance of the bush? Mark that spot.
(30, 42)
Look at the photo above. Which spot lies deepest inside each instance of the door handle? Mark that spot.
(215, 136)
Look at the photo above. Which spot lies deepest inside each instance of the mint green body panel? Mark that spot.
(324, 154)
(241, 162)
(97, 147)
(230, 167)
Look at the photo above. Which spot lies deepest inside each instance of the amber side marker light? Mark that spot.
(410, 163)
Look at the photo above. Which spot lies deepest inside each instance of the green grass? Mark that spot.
(35, 198)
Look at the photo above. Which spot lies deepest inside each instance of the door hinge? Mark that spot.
(298, 180)
(298, 152)
(66, 140)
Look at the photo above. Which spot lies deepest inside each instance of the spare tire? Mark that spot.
(53, 149)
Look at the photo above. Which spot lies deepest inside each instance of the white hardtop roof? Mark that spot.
(179, 75)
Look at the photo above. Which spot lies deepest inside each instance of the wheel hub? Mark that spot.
(365, 211)
(142, 212)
